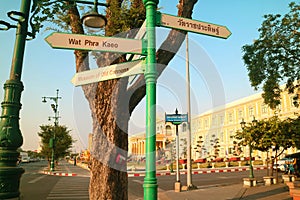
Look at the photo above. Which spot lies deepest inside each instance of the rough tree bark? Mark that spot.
(112, 103)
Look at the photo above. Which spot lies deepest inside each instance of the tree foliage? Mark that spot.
(271, 133)
(275, 57)
(63, 140)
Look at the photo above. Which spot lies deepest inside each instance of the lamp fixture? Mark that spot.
(254, 121)
(243, 124)
(93, 19)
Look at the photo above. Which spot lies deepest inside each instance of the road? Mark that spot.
(37, 186)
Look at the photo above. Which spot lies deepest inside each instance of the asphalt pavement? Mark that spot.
(213, 192)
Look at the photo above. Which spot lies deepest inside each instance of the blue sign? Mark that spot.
(176, 118)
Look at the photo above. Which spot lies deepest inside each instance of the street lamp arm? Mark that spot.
(5, 26)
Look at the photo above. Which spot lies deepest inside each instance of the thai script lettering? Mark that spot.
(199, 26)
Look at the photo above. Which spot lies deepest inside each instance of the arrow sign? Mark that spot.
(95, 43)
(190, 25)
(140, 35)
(109, 72)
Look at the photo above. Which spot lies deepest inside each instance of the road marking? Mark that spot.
(37, 179)
(70, 189)
(223, 177)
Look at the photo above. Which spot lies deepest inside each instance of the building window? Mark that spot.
(221, 136)
(168, 130)
(157, 129)
(230, 117)
(221, 118)
(240, 114)
(278, 108)
(199, 124)
(231, 136)
(206, 123)
(214, 121)
(293, 100)
(184, 127)
(251, 111)
(264, 108)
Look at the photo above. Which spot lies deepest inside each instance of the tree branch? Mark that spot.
(164, 54)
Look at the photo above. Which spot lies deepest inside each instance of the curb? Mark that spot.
(198, 172)
(59, 173)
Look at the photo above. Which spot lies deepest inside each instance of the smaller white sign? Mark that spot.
(109, 72)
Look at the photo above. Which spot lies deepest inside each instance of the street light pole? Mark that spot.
(189, 136)
(243, 125)
(150, 181)
(10, 135)
(56, 117)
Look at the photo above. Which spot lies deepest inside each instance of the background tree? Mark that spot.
(200, 147)
(215, 144)
(272, 133)
(112, 102)
(275, 57)
(63, 141)
(183, 145)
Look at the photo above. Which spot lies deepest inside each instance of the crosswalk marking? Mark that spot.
(37, 179)
(69, 188)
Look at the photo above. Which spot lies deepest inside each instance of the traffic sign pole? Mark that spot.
(177, 119)
(150, 181)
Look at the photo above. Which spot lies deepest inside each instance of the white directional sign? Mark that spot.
(190, 25)
(95, 43)
(140, 35)
(109, 72)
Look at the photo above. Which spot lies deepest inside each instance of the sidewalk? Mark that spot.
(141, 171)
(66, 169)
(213, 192)
(230, 192)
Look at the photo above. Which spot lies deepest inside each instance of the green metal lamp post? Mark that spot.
(243, 125)
(56, 117)
(150, 181)
(10, 135)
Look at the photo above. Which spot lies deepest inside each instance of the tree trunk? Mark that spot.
(111, 104)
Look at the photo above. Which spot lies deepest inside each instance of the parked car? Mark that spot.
(24, 157)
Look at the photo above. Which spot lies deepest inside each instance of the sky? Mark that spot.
(217, 71)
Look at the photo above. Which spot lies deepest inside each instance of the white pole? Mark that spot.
(189, 164)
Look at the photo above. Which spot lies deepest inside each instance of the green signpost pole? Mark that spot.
(150, 181)
(10, 135)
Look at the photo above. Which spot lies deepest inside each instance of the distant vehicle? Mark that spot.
(282, 164)
(290, 158)
(24, 157)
